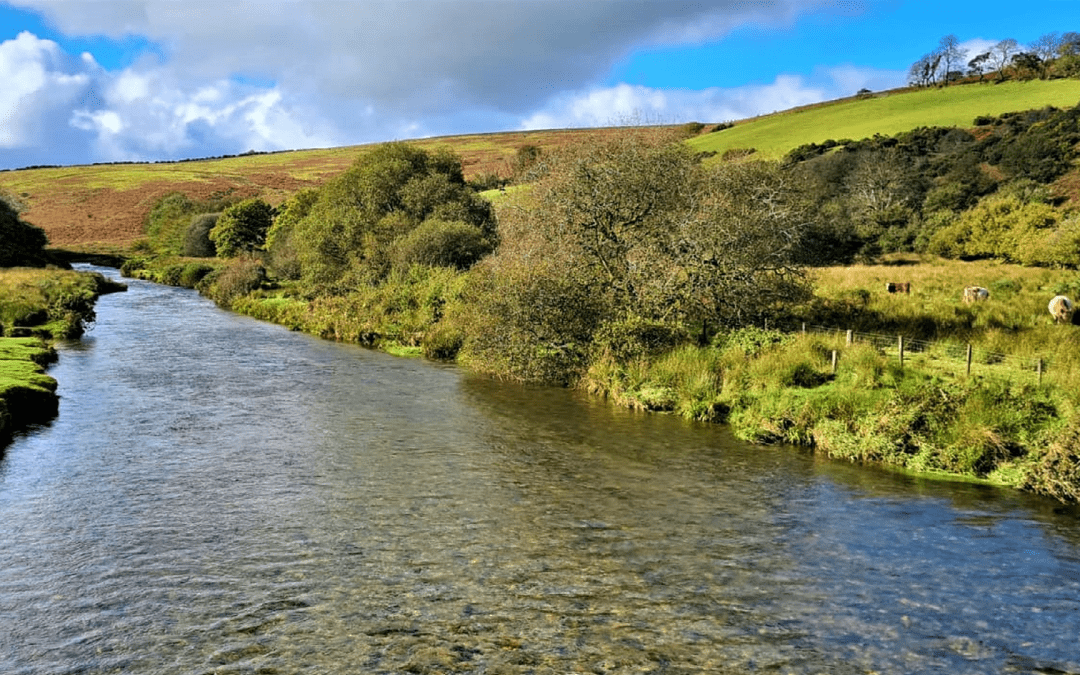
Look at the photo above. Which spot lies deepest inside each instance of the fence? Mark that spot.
(962, 355)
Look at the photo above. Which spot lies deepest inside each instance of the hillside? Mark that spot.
(105, 206)
(888, 113)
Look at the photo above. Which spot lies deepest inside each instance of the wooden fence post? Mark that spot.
(804, 328)
(901, 347)
(834, 362)
(969, 359)
(1039, 367)
(849, 336)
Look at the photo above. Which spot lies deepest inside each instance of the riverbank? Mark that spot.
(36, 307)
(997, 421)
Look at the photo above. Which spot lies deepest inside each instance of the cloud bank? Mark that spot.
(225, 78)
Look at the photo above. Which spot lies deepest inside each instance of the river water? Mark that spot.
(221, 495)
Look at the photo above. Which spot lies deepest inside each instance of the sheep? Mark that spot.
(1061, 308)
(975, 294)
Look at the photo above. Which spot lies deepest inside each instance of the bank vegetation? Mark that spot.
(632, 268)
(39, 302)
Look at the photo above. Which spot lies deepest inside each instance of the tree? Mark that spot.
(1046, 47)
(1027, 65)
(282, 257)
(977, 65)
(633, 233)
(197, 242)
(346, 234)
(740, 256)
(951, 56)
(1069, 44)
(242, 228)
(1002, 54)
(923, 72)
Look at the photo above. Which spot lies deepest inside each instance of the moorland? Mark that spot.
(729, 273)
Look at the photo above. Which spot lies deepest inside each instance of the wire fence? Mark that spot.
(955, 356)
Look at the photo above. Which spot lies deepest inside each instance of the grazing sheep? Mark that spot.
(975, 294)
(1061, 308)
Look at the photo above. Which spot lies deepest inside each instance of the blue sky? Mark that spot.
(137, 80)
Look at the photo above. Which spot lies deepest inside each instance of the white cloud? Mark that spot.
(227, 77)
(419, 56)
(72, 110)
(37, 77)
(612, 105)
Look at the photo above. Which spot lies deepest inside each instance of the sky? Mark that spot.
(85, 81)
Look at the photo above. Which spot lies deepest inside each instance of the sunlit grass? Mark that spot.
(773, 136)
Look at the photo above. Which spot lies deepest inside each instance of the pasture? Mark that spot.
(887, 113)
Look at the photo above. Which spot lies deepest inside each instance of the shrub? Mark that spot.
(691, 129)
(633, 337)
(439, 243)
(733, 154)
(443, 342)
(488, 181)
(242, 276)
(750, 341)
(281, 254)
(197, 242)
(192, 273)
(169, 220)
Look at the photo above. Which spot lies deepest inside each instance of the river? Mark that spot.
(221, 495)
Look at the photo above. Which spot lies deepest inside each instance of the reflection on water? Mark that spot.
(221, 495)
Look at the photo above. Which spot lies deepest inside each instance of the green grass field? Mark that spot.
(773, 136)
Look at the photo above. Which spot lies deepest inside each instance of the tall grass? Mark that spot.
(48, 302)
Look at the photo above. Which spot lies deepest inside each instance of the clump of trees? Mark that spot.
(1051, 55)
(397, 205)
(921, 190)
(179, 224)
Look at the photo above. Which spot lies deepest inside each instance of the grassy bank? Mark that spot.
(27, 394)
(1000, 421)
(37, 305)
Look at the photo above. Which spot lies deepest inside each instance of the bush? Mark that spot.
(242, 276)
(438, 243)
(197, 242)
(192, 273)
(443, 342)
(633, 337)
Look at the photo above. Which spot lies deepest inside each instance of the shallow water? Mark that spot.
(220, 495)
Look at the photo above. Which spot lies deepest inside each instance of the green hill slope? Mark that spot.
(773, 136)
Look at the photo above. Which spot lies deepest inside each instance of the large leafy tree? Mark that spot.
(242, 227)
(633, 233)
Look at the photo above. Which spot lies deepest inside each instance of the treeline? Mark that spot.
(986, 192)
(1051, 55)
(627, 247)
(623, 247)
